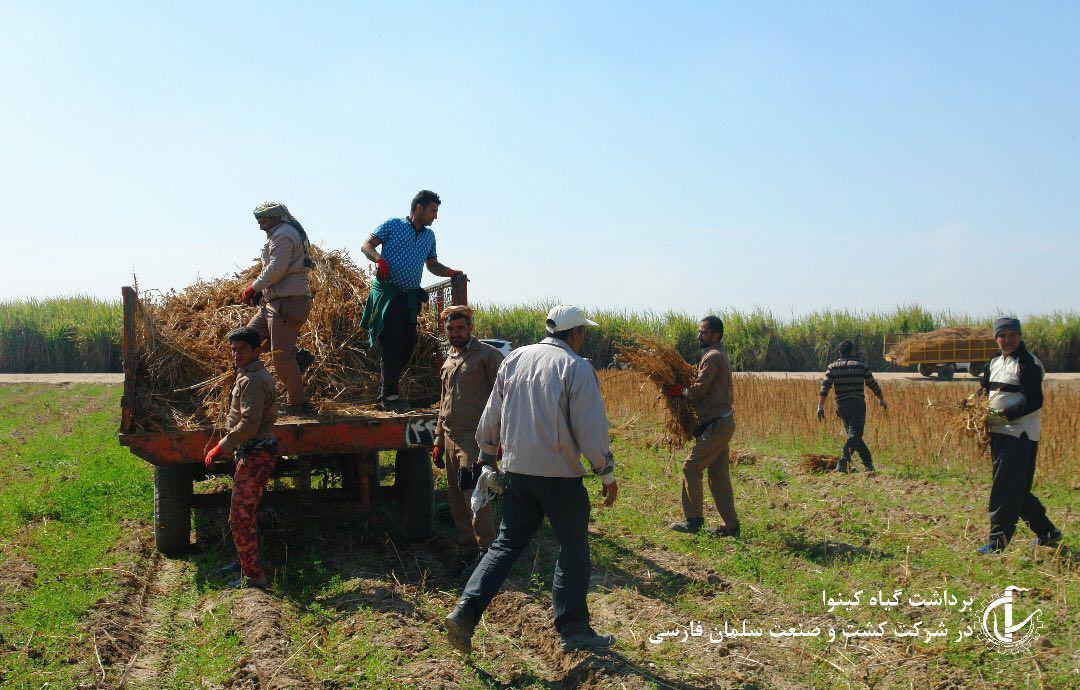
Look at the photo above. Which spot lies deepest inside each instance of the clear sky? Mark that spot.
(638, 155)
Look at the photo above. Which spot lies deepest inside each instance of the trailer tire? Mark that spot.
(975, 369)
(172, 508)
(414, 487)
(926, 370)
(946, 371)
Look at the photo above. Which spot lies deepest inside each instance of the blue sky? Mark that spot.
(637, 155)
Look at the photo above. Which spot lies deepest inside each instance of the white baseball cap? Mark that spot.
(566, 316)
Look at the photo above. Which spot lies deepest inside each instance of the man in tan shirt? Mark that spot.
(711, 396)
(252, 412)
(468, 375)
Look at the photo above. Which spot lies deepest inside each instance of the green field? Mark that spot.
(83, 334)
(85, 601)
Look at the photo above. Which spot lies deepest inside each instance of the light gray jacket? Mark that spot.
(545, 411)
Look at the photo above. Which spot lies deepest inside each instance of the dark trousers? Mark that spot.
(1013, 462)
(526, 501)
(853, 414)
(397, 340)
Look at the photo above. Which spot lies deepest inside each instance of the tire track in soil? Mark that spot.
(258, 617)
(147, 666)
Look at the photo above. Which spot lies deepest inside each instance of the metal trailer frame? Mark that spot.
(348, 446)
(945, 357)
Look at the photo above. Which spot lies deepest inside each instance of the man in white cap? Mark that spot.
(1014, 382)
(544, 413)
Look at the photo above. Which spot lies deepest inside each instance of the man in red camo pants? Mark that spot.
(252, 412)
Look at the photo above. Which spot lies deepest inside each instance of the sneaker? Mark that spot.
(304, 358)
(987, 549)
(587, 639)
(459, 628)
(1051, 538)
(689, 526)
(244, 581)
(732, 532)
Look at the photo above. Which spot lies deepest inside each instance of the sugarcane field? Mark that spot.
(576, 346)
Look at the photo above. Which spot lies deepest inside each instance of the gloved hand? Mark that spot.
(488, 486)
(382, 269)
(821, 414)
(674, 391)
(996, 418)
(215, 452)
(884, 405)
(436, 457)
(247, 295)
(466, 479)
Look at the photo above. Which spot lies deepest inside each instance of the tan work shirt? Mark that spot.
(283, 273)
(711, 394)
(252, 406)
(467, 379)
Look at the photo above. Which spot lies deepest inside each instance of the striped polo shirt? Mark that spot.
(848, 375)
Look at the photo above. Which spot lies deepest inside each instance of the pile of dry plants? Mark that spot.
(969, 417)
(184, 368)
(662, 365)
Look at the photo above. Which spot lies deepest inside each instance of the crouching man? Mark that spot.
(252, 412)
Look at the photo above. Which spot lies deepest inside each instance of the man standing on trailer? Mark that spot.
(467, 376)
(849, 375)
(712, 397)
(392, 307)
(545, 412)
(1014, 382)
(252, 412)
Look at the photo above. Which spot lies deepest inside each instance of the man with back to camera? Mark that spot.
(1013, 380)
(545, 412)
(394, 304)
(712, 396)
(849, 375)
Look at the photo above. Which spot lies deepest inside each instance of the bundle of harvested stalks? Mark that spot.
(185, 373)
(815, 463)
(970, 417)
(662, 364)
(741, 457)
(924, 343)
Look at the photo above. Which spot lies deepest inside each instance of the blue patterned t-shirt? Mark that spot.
(405, 250)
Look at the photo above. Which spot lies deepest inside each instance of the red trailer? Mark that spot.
(345, 447)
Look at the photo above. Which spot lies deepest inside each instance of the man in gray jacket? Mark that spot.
(544, 413)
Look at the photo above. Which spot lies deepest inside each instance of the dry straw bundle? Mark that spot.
(815, 463)
(185, 373)
(970, 417)
(662, 364)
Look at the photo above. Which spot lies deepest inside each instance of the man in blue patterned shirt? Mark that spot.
(408, 244)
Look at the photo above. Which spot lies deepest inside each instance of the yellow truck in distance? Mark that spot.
(944, 351)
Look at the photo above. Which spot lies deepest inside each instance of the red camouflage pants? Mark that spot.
(253, 470)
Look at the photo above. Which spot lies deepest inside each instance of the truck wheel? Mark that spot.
(926, 369)
(172, 508)
(975, 369)
(414, 486)
(945, 373)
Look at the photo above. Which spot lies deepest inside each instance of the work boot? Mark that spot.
(586, 639)
(304, 359)
(1051, 538)
(842, 465)
(459, 627)
(732, 532)
(689, 526)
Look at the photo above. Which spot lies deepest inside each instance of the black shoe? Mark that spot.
(689, 526)
(393, 403)
(732, 532)
(587, 639)
(304, 359)
(459, 627)
(842, 466)
(868, 467)
(1051, 538)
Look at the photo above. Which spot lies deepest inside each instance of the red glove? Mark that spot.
(382, 269)
(675, 391)
(246, 294)
(214, 452)
(436, 457)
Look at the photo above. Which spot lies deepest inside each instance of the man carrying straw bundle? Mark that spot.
(283, 284)
(393, 305)
(712, 397)
(467, 376)
(1014, 382)
(848, 375)
(252, 412)
(545, 412)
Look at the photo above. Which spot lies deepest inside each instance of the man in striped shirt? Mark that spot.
(848, 375)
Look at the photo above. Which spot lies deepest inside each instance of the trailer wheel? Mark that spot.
(926, 370)
(946, 371)
(975, 369)
(414, 487)
(172, 508)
